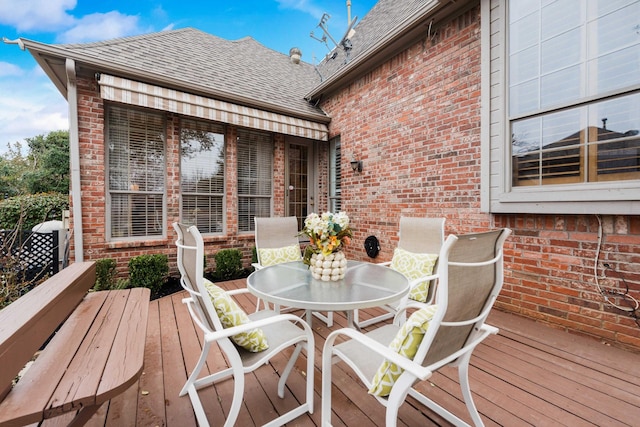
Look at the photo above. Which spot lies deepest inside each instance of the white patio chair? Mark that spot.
(276, 240)
(420, 240)
(280, 331)
(440, 334)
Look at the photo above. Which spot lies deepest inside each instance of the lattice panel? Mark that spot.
(31, 255)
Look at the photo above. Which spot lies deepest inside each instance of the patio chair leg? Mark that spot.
(463, 376)
(190, 384)
(327, 364)
(238, 395)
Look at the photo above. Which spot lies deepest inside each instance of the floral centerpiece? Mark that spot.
(328, 234)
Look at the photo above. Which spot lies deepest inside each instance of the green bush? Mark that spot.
(148, 271)
(228, 264)
(25, 211)
(105, 274)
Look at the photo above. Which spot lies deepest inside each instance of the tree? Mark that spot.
(12, 167)
(49, 159)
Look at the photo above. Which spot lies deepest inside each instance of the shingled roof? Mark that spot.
(244, 71)
(206, 64)
(388, 28)
(385, 16)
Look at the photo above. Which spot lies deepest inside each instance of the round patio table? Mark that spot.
(365, 285)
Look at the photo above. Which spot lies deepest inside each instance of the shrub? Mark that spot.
(254, 255)
(121, 284)
(23, 212)
(105, 274)
(228, 264)
(148, 271)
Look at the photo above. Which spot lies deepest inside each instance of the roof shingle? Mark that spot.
(191, 57)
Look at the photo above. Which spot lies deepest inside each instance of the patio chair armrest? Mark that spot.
(415, 282)
(237, 291)
(244, 291)
(228, 332)
(384, 263)
(372, 345)
(476, 338)
(195, 314)
(256, 265)
(407, 304)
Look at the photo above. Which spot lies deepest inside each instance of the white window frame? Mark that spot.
(498, 194)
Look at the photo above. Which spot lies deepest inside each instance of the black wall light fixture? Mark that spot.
(356, 165)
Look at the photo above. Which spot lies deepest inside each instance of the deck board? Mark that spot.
(529, 374)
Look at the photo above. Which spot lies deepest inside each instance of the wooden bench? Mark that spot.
(95, 352)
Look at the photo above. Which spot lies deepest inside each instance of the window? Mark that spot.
(574, 92)
(335, 175)
(255, 177)
(202, 175)
(136, 173)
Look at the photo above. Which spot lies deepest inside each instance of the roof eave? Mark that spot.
(411, 29)
(46, 55)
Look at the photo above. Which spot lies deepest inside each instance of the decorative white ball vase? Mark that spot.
(328, 268)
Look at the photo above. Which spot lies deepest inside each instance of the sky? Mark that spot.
(30, 105)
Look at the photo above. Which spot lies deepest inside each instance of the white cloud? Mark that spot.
(36, 15)
(30, 106)
(8, 69)
(101, 26)
(302, 6)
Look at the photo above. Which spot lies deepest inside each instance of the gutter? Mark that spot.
(74, 159)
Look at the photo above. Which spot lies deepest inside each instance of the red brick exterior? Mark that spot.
(92, 168)
(414, 121)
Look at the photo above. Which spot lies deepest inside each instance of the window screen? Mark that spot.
(202, 175)
(136, 168)
(255, 177)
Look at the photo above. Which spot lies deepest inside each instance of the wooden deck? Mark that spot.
(529, 374)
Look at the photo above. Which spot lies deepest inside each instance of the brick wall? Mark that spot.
(92, 167)
(415, 123)
(553, 276)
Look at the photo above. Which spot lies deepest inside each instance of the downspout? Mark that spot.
(74, 159)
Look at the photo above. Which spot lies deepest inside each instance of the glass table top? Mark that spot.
(365, 285)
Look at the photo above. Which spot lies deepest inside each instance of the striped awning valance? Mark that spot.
(127, 91)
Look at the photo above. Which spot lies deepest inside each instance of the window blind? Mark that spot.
(202, 175)
(255, 177)
(136, 168)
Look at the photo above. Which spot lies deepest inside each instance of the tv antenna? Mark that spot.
(344, 42)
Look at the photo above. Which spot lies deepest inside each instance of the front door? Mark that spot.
(299, 196)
